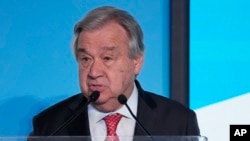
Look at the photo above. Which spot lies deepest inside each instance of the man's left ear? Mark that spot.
(138, 62)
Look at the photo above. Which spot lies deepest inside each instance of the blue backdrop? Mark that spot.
(220, 65)
(37, 66)
(219, 50)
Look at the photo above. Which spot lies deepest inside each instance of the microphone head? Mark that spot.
(122, 99)
(94, 96)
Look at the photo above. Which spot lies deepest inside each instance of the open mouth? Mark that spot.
(96, 87)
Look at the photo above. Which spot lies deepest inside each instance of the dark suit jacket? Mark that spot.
(159, 115)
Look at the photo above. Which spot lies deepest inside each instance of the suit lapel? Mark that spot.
(80, 125)
(145, 105)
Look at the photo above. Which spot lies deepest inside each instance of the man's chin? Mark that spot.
(106, 106)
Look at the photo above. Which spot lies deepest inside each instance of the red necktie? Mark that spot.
(111, 123)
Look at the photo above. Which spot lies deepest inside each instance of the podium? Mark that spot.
(88, 138)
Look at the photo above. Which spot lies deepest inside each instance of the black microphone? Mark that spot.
(92, 98)
(123, 100)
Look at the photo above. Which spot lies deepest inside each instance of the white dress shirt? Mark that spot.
(126, 126)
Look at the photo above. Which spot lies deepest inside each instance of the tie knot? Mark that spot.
(111, 123)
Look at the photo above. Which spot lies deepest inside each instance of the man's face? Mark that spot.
(105, 66)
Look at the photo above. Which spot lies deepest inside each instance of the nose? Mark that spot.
(96, 70)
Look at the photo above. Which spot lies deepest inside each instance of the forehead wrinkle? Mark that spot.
(83, 50)
(108, 48)
(101, 50)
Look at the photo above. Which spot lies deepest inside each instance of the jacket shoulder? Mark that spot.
(51, 118)
(170, 113)
(63, 105)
